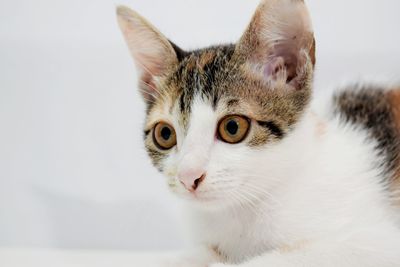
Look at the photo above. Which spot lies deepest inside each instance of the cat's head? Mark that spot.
(215, 115)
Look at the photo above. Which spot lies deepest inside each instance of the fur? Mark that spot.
(306, 187)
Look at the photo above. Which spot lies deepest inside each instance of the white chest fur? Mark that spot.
(328, 184)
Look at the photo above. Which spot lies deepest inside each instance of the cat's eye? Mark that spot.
(164, 135)
(233, 129)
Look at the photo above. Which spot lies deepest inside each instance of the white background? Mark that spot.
(73, 172)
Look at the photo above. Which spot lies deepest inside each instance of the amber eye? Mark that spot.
(233, 129)
(164, 135)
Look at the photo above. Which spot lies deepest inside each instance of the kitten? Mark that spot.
(268, 180)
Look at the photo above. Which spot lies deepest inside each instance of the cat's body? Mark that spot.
(270, 178)
(336, 183)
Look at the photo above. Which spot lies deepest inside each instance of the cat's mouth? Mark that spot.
(203, 196)
(206, 193)
(222, 193)
(199, 194)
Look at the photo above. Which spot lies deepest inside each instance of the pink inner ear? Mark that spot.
(282, 65)
(274, 65)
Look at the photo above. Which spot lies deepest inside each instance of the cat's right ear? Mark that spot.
(278, 45)
(153, 53)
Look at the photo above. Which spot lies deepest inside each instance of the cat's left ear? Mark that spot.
(278, 46)
(153, 53)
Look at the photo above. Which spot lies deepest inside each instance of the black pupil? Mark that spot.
(232, 127)
(166, 133)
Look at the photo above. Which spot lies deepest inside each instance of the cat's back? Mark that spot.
(377, 110)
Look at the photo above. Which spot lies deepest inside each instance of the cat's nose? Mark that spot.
(191, 180)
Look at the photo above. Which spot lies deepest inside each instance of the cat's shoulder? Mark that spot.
(376, 108)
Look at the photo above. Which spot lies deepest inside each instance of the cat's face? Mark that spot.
(214, 115)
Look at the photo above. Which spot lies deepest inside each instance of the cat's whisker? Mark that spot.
(232, 203)
(257, 201)
(240, 203)
(257, 188)
(220, 182)
(246, 200)
(263, 192)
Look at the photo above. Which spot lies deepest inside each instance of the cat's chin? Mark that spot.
(209, 205)
(205, 202)
(204, 198)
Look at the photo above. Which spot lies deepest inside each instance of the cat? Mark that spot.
(267, 179)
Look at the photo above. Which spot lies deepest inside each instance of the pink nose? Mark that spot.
(191, 180)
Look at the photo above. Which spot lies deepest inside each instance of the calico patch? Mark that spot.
(378, 110)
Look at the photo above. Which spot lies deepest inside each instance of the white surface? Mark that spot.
(73, 172)
(12, 257)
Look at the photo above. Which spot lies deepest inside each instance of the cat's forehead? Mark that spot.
(203, 73)
(219, 79)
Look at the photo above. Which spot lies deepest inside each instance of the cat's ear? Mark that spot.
(278, 46)
(153, 53)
